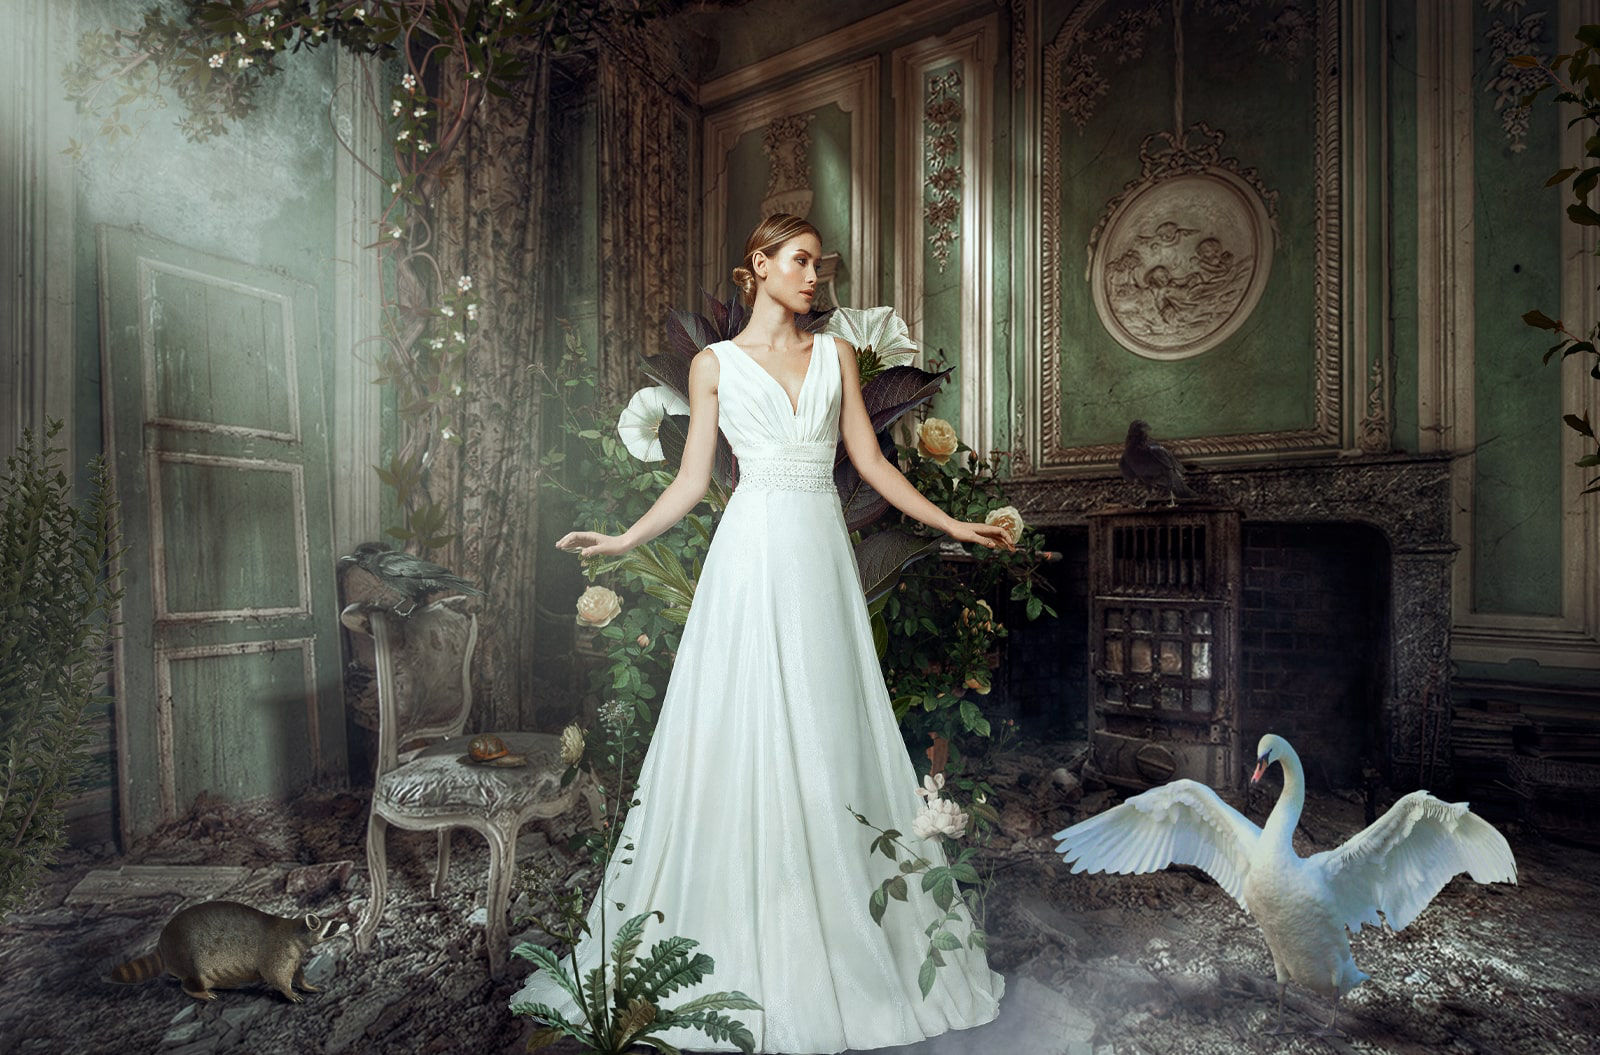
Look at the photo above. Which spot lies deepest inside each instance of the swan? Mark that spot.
(1303, 905)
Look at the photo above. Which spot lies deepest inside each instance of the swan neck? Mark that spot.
(1291, 801)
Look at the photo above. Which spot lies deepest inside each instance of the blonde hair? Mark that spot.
(769, 236)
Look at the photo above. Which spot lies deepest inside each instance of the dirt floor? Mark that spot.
(1098, 965)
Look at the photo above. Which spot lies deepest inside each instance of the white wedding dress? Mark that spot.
(775, 720)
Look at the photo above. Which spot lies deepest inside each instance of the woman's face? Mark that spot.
(790, 275)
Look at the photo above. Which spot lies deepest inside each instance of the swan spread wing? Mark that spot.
(1183, 822)
(1404, 858)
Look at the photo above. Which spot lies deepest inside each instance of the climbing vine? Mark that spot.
(450, 55)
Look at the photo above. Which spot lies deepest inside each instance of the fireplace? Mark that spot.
(1342, 608)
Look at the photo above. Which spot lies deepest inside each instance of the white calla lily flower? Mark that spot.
(640, 423)
(881, 328)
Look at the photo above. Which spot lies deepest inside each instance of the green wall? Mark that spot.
(1516, 515)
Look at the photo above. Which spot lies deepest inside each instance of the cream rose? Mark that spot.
(1008, 518)
(936, 439)
(571, 745)
(598, 606)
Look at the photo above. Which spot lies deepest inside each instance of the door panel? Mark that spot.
(215, 426)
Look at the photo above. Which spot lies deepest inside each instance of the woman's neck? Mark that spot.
(770, 324)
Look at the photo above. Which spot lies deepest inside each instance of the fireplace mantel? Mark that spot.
(1404, 497)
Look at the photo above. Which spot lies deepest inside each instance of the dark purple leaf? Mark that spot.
(813, 321)
(674, 435)
(717, 312)
(687, 334)
(897, 390)
(862, 503)
(881, 556)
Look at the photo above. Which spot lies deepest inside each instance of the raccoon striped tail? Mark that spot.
(142, 969)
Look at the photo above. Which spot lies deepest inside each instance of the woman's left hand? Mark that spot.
(992, 536)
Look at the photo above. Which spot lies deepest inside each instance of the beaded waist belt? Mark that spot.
(787, 467)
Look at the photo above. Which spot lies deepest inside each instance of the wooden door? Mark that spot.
(228, 657)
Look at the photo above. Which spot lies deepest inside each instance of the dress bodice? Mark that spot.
(779, 445)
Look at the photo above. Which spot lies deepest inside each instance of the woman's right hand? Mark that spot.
(592, 544)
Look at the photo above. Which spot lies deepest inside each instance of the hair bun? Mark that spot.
(745, 279)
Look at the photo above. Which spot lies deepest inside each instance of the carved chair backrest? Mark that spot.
(424, 663)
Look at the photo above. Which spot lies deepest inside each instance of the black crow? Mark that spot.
(1152, 465)
(406, 574)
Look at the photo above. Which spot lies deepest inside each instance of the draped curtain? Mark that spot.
(647, 134)
(493, 222)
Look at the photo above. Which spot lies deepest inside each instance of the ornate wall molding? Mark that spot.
(1335, 71)
(1371, 353)
(357, 296)
(1571, 639)
(37, 229)
(961, 209)
(854, 89)
(1026, 234)
(869, 34)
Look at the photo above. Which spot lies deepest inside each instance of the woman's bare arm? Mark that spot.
(861, 444)
(687, 488)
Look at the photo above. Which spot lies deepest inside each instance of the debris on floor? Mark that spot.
(1095, 964)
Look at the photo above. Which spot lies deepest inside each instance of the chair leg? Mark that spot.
(377, 878)
(442, 869)
(502, 835)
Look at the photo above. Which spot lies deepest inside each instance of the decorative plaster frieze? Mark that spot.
(1506, 39)
(785, 143)
(942, 117)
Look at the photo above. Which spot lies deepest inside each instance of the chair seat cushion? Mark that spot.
(436, 781)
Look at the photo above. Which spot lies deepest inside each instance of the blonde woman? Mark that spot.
(776, 716)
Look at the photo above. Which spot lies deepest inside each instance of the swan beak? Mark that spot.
(1261, 768)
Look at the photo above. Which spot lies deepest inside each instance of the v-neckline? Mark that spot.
(794, 407)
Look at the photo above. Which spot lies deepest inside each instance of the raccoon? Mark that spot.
(227, 944)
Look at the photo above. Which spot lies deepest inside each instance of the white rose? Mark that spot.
(937, 439)
(939, 817)
(598, 606)
(1008, 518)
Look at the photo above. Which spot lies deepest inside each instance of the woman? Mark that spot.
(776, 717)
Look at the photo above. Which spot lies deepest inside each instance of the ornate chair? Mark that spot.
(423, 661)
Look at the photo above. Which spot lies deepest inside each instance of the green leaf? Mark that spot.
(877, 904)
(1560, 176)
(925, 976)
(897, 888)
(1541, 320)
(945, 940)
(1580, 425)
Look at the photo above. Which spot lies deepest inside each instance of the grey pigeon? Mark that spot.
(406, 574)
(1152, 465)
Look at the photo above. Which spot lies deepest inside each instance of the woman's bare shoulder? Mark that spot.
(705, 364)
